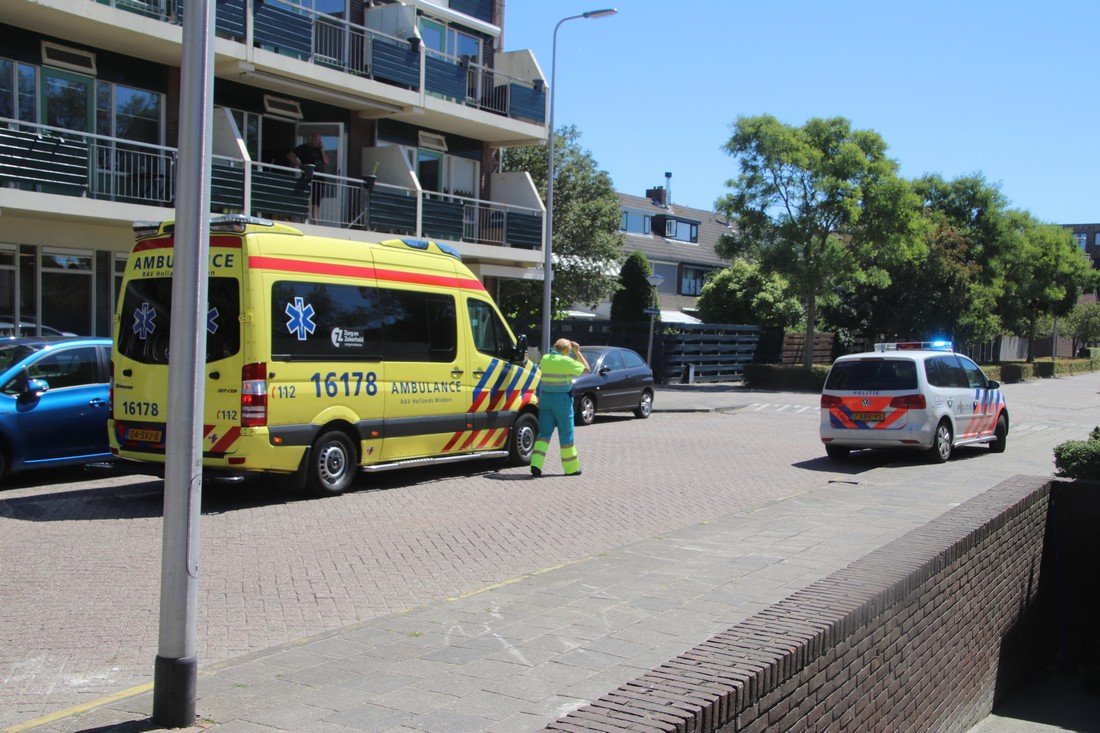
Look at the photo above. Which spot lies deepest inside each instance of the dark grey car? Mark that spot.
(620, 381)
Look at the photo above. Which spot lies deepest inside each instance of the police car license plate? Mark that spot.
(869, 416)
(145, 436)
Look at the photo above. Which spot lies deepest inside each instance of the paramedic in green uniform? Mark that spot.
(558, 368)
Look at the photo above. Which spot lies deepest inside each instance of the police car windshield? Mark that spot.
(873, 374)
(146, 312)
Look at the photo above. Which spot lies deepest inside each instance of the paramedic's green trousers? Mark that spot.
(556, 411)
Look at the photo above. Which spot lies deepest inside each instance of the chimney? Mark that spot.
(668, 188)
(656, 195)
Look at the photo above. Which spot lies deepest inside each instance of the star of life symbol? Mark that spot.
(212, 320)
(301, 318)
(143, 321)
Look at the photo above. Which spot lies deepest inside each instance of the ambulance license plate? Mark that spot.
(869, 416)
(144, 436)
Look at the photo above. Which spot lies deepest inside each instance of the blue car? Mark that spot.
(54, 402)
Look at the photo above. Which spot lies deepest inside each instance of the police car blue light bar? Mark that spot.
(938, 345)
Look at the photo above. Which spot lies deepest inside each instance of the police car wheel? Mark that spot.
(1000, 436)
(332, 464)
(942, 443)
(585, 410)
(645, 405)
(521, 443)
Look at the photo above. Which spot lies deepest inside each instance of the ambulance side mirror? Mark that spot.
(519, 355)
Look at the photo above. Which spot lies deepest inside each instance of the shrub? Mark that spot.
(1079, 458)
(774, 376)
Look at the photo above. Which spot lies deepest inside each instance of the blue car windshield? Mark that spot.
(13, 354)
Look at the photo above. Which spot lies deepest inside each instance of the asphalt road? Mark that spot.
(79, 601)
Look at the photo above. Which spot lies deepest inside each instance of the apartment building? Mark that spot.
(412, 100)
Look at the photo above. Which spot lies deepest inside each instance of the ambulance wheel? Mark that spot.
(584, 412)
(332, 464)
(942, 443)
(837, 452)
(1000, 436)
(521, 442)
(645, 405)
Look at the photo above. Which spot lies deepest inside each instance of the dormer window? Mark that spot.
(680, 230)
(635, 222)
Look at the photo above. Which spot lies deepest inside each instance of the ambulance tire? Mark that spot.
(1000, 436)
(942, 443)
(521, 440)
(332, 464)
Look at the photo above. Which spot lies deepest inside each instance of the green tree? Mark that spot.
(634, 294)
(820, 204)
(1049, 273)
(1083, 324)
(587, 242)
(742, 293)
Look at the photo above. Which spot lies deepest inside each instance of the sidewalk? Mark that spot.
(516, 655)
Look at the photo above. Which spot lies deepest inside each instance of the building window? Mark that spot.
(67, 277)
(128, 113)
(668, 272)
(691, 280)
(1082, 239)
(1095, 240)
(682, 231)
(17, 84)
(635, 222)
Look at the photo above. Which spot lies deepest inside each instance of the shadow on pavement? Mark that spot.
(865, 460)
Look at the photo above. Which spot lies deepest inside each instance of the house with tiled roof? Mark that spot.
(678, 241)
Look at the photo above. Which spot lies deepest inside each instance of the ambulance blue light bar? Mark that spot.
(939, 345)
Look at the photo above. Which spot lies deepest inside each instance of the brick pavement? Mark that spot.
(636, 566)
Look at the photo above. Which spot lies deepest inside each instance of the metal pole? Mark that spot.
(176, 667)
(547, 246)
(649, 349)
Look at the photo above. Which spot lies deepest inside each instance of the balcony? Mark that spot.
(292, 31)
(53, 160)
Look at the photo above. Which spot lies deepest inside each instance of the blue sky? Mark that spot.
(1007, 89)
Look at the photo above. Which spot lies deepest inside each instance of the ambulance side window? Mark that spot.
(316, 321)
(490, 335)
(418, 326)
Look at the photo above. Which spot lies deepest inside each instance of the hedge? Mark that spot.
(796, 378)
(1079, 458)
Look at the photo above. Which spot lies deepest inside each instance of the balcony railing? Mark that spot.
(327, 40)
(55, 160)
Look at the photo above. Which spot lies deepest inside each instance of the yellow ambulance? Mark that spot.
(323, 357)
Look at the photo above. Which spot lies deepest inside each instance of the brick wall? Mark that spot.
(925, 633)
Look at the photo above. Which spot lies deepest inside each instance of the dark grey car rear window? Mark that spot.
(873, 374)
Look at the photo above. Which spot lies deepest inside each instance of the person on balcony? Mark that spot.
(311, 157)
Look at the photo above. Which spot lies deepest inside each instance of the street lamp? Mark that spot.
(547, 264)
(655, 281)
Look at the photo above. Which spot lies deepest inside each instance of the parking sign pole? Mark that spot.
(176, 669)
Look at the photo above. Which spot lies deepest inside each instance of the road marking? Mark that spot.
(79, 709)
(758, 409)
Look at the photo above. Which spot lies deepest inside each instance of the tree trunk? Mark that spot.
(811, 317)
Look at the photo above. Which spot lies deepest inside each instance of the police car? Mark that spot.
(918, 395)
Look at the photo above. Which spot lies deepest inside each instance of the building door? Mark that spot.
(333, 193)
(67, 100)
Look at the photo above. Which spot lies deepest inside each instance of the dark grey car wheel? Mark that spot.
(645, 405)
(585, 410)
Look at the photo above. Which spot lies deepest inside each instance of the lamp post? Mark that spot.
(547, 247)
(654, 281)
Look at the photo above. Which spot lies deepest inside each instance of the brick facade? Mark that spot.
(926, 633)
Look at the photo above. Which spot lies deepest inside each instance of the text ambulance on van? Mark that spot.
(324, 356)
